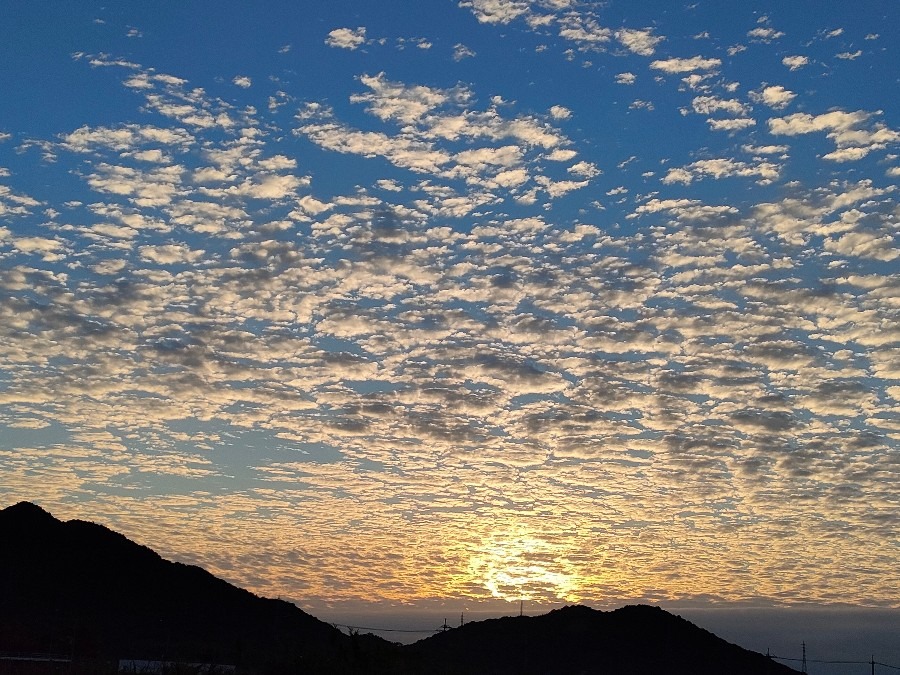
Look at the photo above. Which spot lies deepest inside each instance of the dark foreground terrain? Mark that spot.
(90, 597)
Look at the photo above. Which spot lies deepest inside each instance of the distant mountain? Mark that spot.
(79, 589)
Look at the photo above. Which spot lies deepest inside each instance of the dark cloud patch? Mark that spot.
(770, 421)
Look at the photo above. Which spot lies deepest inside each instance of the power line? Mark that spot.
(866, 663)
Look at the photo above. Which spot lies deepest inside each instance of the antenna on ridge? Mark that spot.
(521, 603)
(803, 666)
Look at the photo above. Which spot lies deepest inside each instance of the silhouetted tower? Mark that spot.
(521, 604)
(803, 666)
(461, 614)
(445, 627)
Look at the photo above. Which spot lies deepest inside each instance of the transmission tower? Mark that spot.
(803, 665)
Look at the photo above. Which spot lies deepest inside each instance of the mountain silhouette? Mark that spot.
(79, 588)
(82, 590)
(636, 639)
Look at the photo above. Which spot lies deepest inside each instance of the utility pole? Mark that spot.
(873, 664)
(803, 667)
(521, 603)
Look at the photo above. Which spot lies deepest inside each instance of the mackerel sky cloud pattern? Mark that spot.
(503, 299)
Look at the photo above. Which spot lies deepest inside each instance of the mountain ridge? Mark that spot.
(79, 588)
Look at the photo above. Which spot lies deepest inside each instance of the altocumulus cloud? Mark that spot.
(469, 325)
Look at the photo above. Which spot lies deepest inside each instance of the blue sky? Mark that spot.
(449, 304)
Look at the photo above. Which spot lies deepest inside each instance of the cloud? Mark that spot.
(15, 204)
(774, 96)
(586, 169)
(687, 65)
(641, 42)
(848, 130)
(731, 124)
(765, 149)
(437, 324)
(708, 105)
(496, 11)
(504, 158)
(625, 78)
(242, 81)
(866, 245)
(764, 172)
(461, 51)
(347, 38)
(764, 34)
(795, 62)
(169, 254)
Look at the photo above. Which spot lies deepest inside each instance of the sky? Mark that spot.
(399, 307)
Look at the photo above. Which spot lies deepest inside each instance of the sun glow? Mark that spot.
(524, 567)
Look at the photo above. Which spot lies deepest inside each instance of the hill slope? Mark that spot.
(78, 588)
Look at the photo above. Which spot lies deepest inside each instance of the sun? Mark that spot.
(524, 567)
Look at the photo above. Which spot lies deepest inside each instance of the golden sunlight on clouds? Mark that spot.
(519, 565)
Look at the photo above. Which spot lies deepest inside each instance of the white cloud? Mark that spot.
(764, 34)
(586, 169)
(764, 172)
(625, 78)
(558, 112)
(846, 129)
(242, 81)
(865, 245)
(734, 124)
(347, 38)
(394, 100)
(460, 52)
(13, 203)
(774, 96)
(584, 30)
(37, 244)
(765, 149)
(641, 42)
(561, 155)
(168, 254)
(708, 105)
(687, 65)
(496, 11)
(795, 62)
(849, 56)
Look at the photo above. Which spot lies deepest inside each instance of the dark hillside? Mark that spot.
(78, 588)
(636, 639)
